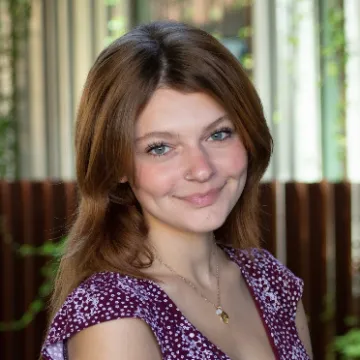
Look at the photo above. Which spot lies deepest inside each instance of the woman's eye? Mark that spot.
(221, 134)
(158, 150)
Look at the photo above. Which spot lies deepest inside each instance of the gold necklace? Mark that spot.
(218, 308)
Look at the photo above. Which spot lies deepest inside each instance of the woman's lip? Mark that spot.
(203, 200)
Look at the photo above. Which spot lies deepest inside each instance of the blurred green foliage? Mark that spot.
(51, 251)
(348, 345)
(13, 37)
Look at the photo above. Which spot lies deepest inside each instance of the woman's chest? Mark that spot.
(261, 323)
(202, 334)
(182, 339)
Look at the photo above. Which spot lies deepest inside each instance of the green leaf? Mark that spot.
(332, 69)
(45, 289)
(276, 117)
(247, 62)
(26, 250)
(27, 319)
(245, 32)
(36, 305)
(349, 344)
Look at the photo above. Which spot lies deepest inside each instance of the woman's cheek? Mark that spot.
(240, 161)
(156, 178)
(236, 159)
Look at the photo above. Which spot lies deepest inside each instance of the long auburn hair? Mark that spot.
(109, 232)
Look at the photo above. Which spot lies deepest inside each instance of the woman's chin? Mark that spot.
(206, 224)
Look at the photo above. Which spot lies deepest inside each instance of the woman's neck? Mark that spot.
(190, 255)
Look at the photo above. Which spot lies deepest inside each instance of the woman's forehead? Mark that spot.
(173, 110)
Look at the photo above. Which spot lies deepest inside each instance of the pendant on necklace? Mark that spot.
(222, 314)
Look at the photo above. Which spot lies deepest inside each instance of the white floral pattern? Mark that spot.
(108, 296)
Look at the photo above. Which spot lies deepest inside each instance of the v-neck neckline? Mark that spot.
(193, 329)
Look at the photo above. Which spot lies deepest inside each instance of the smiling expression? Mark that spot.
(190, 164)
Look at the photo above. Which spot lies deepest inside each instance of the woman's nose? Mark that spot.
(198, 165)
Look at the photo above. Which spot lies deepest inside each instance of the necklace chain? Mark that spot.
(191, 284)
(218, 308)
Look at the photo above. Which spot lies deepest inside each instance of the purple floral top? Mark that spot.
(109, 296)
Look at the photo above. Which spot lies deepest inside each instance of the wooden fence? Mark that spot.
(315, 220)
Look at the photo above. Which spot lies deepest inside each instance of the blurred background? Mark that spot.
(303, 57)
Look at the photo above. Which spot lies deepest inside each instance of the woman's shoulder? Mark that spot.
(258, 260)
(268, 276)
(102, 297)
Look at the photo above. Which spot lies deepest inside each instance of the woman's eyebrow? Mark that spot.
(163, 134)
(169, 135)
(216, 122)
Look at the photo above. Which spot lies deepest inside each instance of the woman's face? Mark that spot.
(190, 165)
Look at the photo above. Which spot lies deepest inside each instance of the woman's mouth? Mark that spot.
(203, 199)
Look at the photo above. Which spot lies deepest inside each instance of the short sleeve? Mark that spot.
(289, 287)
(102, 297)
(278, 289)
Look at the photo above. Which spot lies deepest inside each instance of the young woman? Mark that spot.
(163, 261)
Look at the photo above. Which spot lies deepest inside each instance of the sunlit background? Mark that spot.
(302, 55)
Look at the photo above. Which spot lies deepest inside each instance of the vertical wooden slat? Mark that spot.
(268, 216)
(342, 201)
(7, 310)
(297, 234)
(355, 210)
(29, 267)
(2, 264)
(16, 229)
(42, 215)
(2, 268)
(318, 225)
